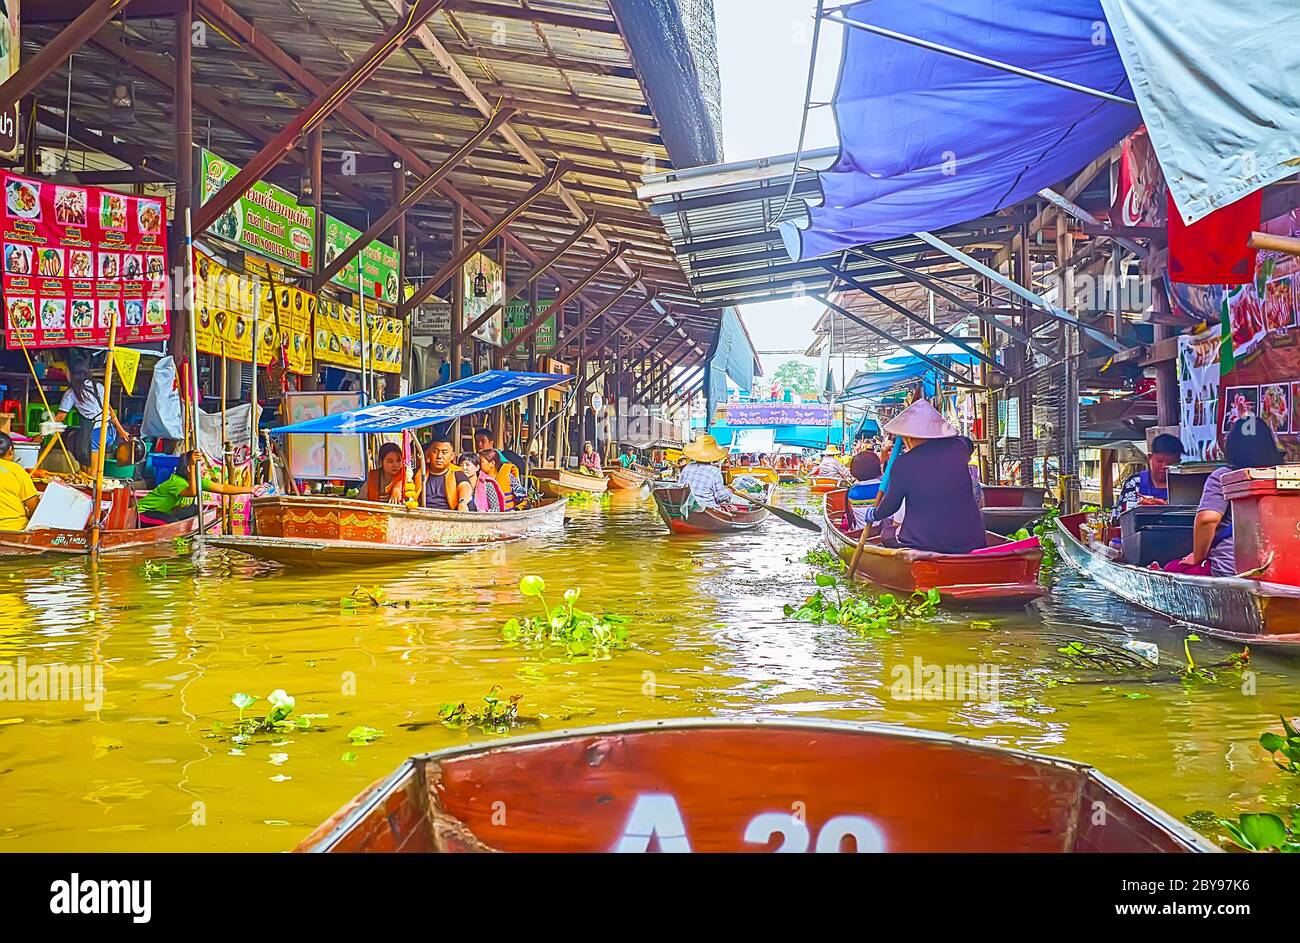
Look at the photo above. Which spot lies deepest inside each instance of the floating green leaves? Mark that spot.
(825, 560)
(1262, 831)
(862, 614)
(497, 715)
(277, 721)
(1284, 748)
(578, 632)
(364, 736)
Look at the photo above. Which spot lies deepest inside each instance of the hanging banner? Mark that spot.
(228, 305)
(1198, 393)
(76, 258)
(266, 219)
(492, 331)
(778, 414)
(238, 432)
(127, 362)
(10, 49)
(337, 338)
(517, 316)
(378, 262)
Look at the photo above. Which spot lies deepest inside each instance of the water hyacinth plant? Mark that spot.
(862, 614)
(576, 631)
(1284, 748)
(1261, 831)
(497, 715)
(277, 720)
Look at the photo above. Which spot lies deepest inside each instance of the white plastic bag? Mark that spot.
(162, 408)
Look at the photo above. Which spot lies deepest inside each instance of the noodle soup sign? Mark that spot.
(79, 259)
(265, 219)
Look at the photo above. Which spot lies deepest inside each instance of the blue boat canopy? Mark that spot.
(440, 404)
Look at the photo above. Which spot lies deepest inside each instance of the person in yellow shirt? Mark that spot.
(18, 495)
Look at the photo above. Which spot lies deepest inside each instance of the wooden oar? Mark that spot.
(788, 516)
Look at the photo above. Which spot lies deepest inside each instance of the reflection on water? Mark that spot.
(148, 771)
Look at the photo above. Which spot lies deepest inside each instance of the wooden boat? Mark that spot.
(625, 479)
(728, 785)
(825, 485)
(326, 531)
(77, 542)
(788, 477)
(1007, 508)
(1009, 578)
(767, 476)
(1252, 612)
(558, 482)
(671, 497)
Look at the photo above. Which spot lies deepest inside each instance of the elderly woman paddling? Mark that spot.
(931, 476)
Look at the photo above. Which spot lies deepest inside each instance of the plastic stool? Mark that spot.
(36, 414)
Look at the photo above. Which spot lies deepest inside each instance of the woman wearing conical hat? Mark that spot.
(702, 474)
(931, 476)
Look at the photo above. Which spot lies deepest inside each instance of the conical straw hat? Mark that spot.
(705, 448)
(921, 421)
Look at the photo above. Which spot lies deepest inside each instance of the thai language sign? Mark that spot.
(378, 262)
(517, 316)
(778, 414)
(229, 306)
(77, 259)
(265, 219)
(338, 338)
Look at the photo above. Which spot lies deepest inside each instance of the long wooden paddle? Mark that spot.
(790, 517)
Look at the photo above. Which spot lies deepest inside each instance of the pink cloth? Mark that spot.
(1178, 566)
(1013, 547)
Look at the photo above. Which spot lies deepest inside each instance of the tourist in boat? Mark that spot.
(486, 439)
(590, 461)
(974, 471)
(493, 465)
(1151, 484)
(1250, 444)
(866, 471)
(446, 488)
(931, 477)
(485, 494)
(702, 474)
(626, 458)
(18, 494)
(86, 395)
(387, 483)
(831, 466)
(173, 499)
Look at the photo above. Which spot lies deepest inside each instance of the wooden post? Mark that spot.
(1107, 478)
(183, 108)
(96, 510)
(457, 309)
(393, 381)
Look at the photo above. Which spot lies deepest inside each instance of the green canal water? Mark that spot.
(147, 771)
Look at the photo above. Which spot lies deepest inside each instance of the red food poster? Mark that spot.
(77, 257)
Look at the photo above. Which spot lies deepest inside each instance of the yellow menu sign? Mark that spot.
(229, 306)
(337, 338)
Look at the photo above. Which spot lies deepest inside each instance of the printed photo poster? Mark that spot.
(337, 337)
(1239, 402)
(1275, 406)
(493, 331)
(78, 258)
(295, 310)
(1198, 392)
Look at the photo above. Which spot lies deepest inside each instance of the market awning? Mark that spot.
(440, 404)
(868, 384)
(928, 140)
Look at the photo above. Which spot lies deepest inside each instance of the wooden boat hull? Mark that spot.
(322, 553)
(1007, 508)
(985, 579)
(669, 499)
(825, 485)
(290, 529)
(625, 479)
(789, 478)
(559, 483)
(77, 542)
(1006, 521)
(1251, 612)
(767, 476)
(883, 788)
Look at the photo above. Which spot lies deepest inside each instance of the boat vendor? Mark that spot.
(86, 395)
(590, 462)
(831, 466)
(513, 492)
(931, 477)
(18, 494)
(387, 483)
(446, 488)
(173, 499)
(626, 458)
(702, 474)
(486, 439)
(1151, 484)
(1249, 444)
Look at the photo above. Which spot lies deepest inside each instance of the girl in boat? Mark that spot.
(492, 465)
(86, 395)
(865, 469)
(590, 463)
(173, 499)
(1250, 444)
(931, 477)
(485, 492)
(387, 483)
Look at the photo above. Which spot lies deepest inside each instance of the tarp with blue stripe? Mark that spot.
(804, 437)
(864, 385)
(440, 404)
(733, 356)
(928, 140)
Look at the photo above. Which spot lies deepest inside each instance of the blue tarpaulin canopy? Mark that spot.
(865, 385)
(928, 140)
(440, 404)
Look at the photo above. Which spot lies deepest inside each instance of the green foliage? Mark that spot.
(862, 614)
(277, 721)
(152, 569)
(578, 632)
(1286, 744)
(496, 716)
(797, 377)
(825, 560)
(1262, 831)
(364, 736)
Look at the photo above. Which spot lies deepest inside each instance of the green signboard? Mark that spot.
(517, 317)
(266, 220)
(379, 261)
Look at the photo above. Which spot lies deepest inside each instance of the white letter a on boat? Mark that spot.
(654, 815)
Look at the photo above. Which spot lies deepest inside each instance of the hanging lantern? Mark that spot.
(480, 285)
(122, 102)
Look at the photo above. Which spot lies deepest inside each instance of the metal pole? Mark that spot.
(188, 294)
